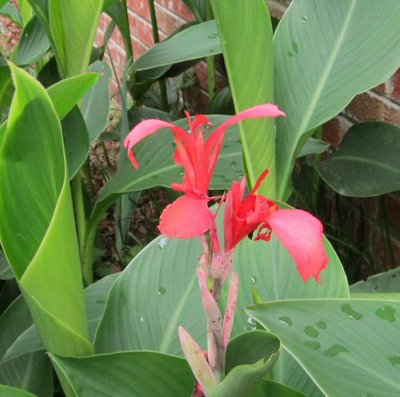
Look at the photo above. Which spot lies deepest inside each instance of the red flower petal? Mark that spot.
(187, 217)
(143, 130)
(301, 234)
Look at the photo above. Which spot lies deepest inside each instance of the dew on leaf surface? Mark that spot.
(335, 350)
(321, 324)
(285, 320)
(394, 360)
(311, 331)
(161, 291)
(387, 313)
(347, 309)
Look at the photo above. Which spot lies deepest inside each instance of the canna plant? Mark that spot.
(291, 327)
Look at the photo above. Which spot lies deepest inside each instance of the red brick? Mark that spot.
(370, 106)
(167, 21)
(140, 7)
(141, 29)
(139, 49)
(335, 129)
(396, 86)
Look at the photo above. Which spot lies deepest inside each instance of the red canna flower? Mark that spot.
(189, 215)
(299, 231)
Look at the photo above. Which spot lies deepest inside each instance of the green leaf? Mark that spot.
(273, 389)
(73, 27)
(248, 59)
(313, 146)
(133, 374)
(5, 269)
(10, 11)
(379, 283)
(338, 342)
(32, 372)
(321, 65)
(250, 356)
(33, 43)
(195, 42)
(26, 11)
(155, 294)
(76, 140)
(8, 391)
(36, 213)
(68, 92)
(367, 163)
(95, 299)
(96, 103)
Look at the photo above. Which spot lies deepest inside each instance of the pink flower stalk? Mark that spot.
(300, 232)
(189, 215)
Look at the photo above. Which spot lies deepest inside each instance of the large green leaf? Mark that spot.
(32, 372)
(73, 27)
(196, 42)
(326, 52)
(248, 56)
(36, 213)
(156, 293)
(68, 92)
(367, 163)
(133, 374)
(96, 103)
(198, 8)
(95, 299)
(8, 391)
(33, 43)
(340, 342)
(76, 140)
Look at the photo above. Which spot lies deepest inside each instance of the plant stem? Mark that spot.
(212, 89)
(156, 37)
(80, 218)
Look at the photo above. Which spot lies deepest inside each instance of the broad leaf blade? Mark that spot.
(33, 43)
(96, 103)
(367, 163)
(181, 47)
(14, 392)
(387, 282)
(326, 52)
(156, 293)
(133, 374)
(340, 339)
(73, 27)
(36, 213)
(68, 92)
(248, 56)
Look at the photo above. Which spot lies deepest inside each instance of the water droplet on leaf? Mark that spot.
(312, 345)
(163, 242)
(162, 291)
(311, 331)
(321, 324)
(394, 360)
(304, 18)
(387, 313)
(347, 309)
(253, 280)
(285, 320)
(141, 319)
(335, 350)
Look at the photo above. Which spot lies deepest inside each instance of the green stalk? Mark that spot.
(156, 38)
(212, 87)
(80, 219)
(128, 41)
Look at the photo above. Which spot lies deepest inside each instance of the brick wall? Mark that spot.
(382, 103)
